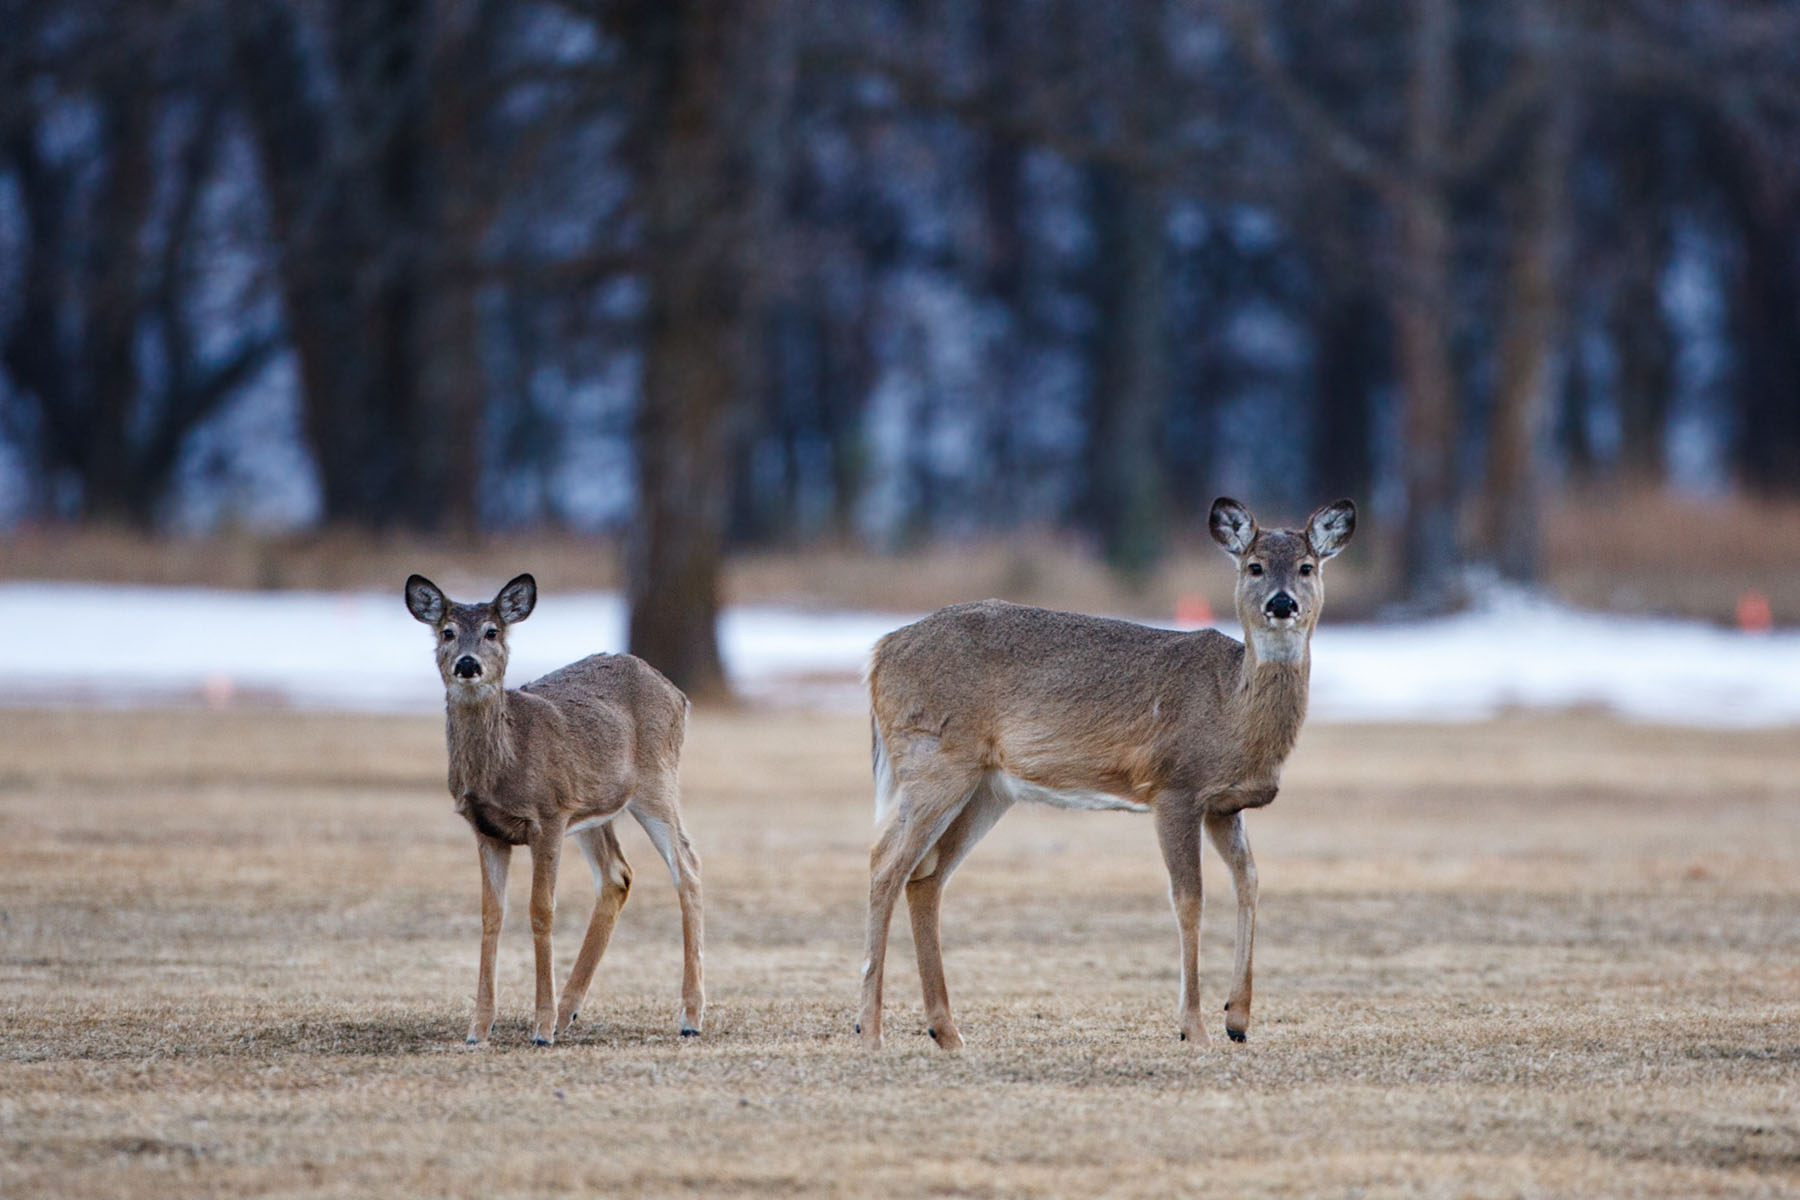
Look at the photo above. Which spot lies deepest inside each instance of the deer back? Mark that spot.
(601, 722)
(1063, 701)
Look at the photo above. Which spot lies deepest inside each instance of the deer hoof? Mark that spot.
(1182, 1035)
(690, 1033)
(538, 1039)
(932, 1034)
(859, 1027)
(1237, 1035)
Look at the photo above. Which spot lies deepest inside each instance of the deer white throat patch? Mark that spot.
(1277, 645)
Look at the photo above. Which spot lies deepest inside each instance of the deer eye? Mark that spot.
(449, 635)
(1255, 569)
(1306, 568)
(492, 635)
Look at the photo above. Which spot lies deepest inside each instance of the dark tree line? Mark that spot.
(872, 268)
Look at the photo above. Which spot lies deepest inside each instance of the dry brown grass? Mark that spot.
(323, 560)
(1651, 553)
(1678, 555)
(1555, 956)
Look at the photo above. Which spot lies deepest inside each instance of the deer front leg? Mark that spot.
(546, 846)
(496, 857)
(1178, 833)
(1229, 839)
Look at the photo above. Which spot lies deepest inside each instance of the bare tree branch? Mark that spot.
(1348, 152)
(1489, 129)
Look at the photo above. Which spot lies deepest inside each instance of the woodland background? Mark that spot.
(714, 277)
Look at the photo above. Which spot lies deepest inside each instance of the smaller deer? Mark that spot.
(562, 756)
(981, 705)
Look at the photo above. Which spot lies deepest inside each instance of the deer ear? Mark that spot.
(516, 599)
(1232, 525)
(424, 599)
(1329, 529)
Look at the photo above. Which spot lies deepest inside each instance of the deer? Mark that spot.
(981, 705)
(560, 757)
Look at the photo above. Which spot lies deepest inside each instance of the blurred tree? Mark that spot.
(1529, 354)
(1000, 276)
(369, 182)
(103, 343)
(1765, 317)
(1128, 503)
(834, 266)
(1416, 187)
(1638, 328)
(1123, 74)
(713, 85)
(1350, 334)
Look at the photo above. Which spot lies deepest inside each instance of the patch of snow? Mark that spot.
(112, 645)
(1523, 653)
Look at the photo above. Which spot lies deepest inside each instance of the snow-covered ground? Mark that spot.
(78, 643)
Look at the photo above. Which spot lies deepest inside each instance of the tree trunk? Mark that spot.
(1640, 332)
(384, 42)
(1512, 498)
(1127, 495)
(844, 376)
(1345, 375)
(715, 79)
(112, 489)
(1429, 555)
(1766, 313)
(453, 403)
(1572, 437)
(1000, 278)
(1764, 207)
(317, 246)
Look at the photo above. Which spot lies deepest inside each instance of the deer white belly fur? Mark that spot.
(1075, 799)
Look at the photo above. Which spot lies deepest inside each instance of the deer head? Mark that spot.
(1279, 586)
(471, 638)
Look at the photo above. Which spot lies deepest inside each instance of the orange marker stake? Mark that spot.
(1192, 612)
(1753, 612)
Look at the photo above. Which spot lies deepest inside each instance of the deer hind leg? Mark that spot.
(1229, 839)
(496, 858)
(659, 812)
(612, 885)
(927, 802)
(924, 894)
(1178, 833)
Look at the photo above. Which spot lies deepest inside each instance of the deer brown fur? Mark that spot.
(980, 705)
(561, 756)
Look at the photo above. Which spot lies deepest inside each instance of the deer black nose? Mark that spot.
(1281, 606)
(467, 667)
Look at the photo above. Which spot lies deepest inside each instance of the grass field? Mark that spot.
(1538, 957)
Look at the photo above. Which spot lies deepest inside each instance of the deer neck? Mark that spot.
(1271, 700)
(479, 733)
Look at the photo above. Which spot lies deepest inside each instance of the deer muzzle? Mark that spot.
(1282, 606)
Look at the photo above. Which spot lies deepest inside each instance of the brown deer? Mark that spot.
(562, 756)
(981, 705)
